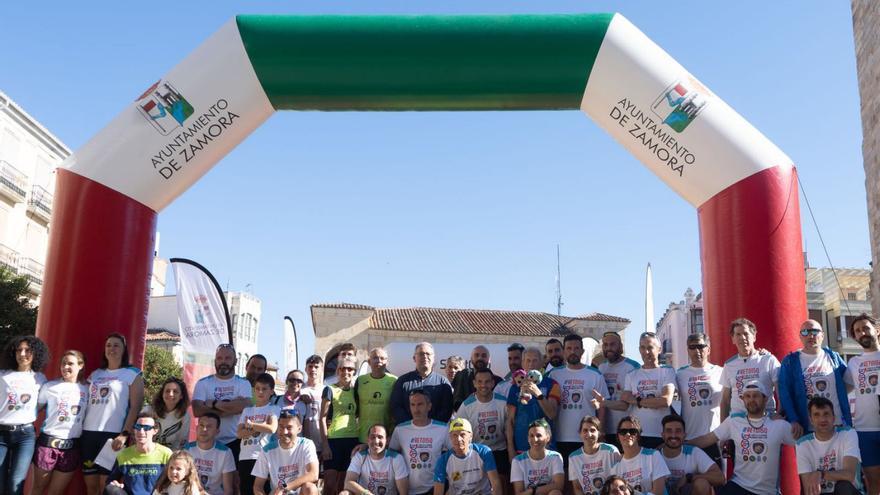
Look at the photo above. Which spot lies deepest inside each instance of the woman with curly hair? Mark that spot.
(171, 406)
(21, 377)
(57, 456)
(114, 388)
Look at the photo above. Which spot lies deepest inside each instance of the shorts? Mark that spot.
(502, 462)
(341, 449)
(92, 442)
(868, 442)
(63, 461)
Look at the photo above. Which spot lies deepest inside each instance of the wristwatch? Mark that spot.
(689, 477)
(639, 401)
(539, 397)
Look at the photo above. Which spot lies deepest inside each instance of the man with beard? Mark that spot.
(555, 357)
(691, 471)
(225, 394)
(468, 468)
(377, 469)
(256, 365)
(813, 371)
(463, 384)
(290, 462)
(614, 370)
(650, 389)
(426, 379)
(757, 440)
(582, 390)
(488, 411)
(861, 379)
(514, 362)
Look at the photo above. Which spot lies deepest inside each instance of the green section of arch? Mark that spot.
(518, 62)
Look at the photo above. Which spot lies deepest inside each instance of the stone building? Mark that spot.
(450, 330)
(866, 30)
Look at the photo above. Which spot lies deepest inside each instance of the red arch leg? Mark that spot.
(753, 266)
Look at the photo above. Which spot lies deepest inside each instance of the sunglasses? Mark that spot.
(138, 426)
(629, 431)
(810, 331)
(348, 369)
(694, 347)
(225, 346)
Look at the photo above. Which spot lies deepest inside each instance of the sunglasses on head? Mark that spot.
(629, 431)
(138, 426)
(810, 331)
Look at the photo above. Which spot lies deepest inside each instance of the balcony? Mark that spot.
(12, 182)
(40, 204)
(33, 271)
(29, 268)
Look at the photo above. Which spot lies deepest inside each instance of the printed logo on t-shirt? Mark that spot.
(538, 476)
(487, 428)
(698, 390)
(866, 379)
(572, 389)
(754, 444)
(420, 453)
(744, 375)
(816, 381)
(287, 473)
(634, 478)
(224, 392)
(590, 477)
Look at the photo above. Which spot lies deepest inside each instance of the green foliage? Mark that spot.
(17, 315)
(159, 365)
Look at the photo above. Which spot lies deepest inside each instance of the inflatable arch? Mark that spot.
(109, 193)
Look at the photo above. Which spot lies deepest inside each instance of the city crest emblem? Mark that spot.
(164, 107)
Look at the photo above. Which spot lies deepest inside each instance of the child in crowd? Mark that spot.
(180, 476)
(256, 426)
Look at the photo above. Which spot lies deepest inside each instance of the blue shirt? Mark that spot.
(466, 475)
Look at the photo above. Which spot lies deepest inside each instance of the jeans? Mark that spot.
(16, 452)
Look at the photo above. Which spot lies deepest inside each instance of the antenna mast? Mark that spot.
(558, 284)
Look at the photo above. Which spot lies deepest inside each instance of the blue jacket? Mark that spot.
(793, 393)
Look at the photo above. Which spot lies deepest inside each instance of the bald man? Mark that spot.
(813, 371)
(463, 384)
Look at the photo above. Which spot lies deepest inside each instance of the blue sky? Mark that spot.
(458, 210)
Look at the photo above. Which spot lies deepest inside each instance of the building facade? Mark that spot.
(866, 31)
(29, 154)
(454, 330)
(680, 320)
(244, 310)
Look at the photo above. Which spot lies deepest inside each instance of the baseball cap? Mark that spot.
(460, 424)
(755, 385)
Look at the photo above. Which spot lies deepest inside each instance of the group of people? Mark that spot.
(552, 425)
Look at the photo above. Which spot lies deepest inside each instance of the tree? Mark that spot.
(17, 315)
(159, 365)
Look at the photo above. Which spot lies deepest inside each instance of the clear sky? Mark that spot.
(460, 210)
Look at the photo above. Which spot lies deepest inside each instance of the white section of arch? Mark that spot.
(152, 154)
(687, 136)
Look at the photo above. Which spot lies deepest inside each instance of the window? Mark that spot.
(696, 321)
(851, 296)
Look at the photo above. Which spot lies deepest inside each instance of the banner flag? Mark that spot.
(203, 320)
(291, 349)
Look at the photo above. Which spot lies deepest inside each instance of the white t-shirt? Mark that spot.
(738, 371)
(814, 454)
(758, 444)
(251, 446)
(173, 429)
(591, 470)
(284, 465)
(863, 373)
(819, 379)
(421, 447)
(487, 420)
(311, 424)
(700, 392)
(615, 376)
(211, 388)
(536, 472)
(691, 460)
(466, 475)
(379, 476)
(649, 383)
(108, 398)
(211, 465)
(65, 408)
(642, 470)
(576, 389)
(18, 396)
(503, 387)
